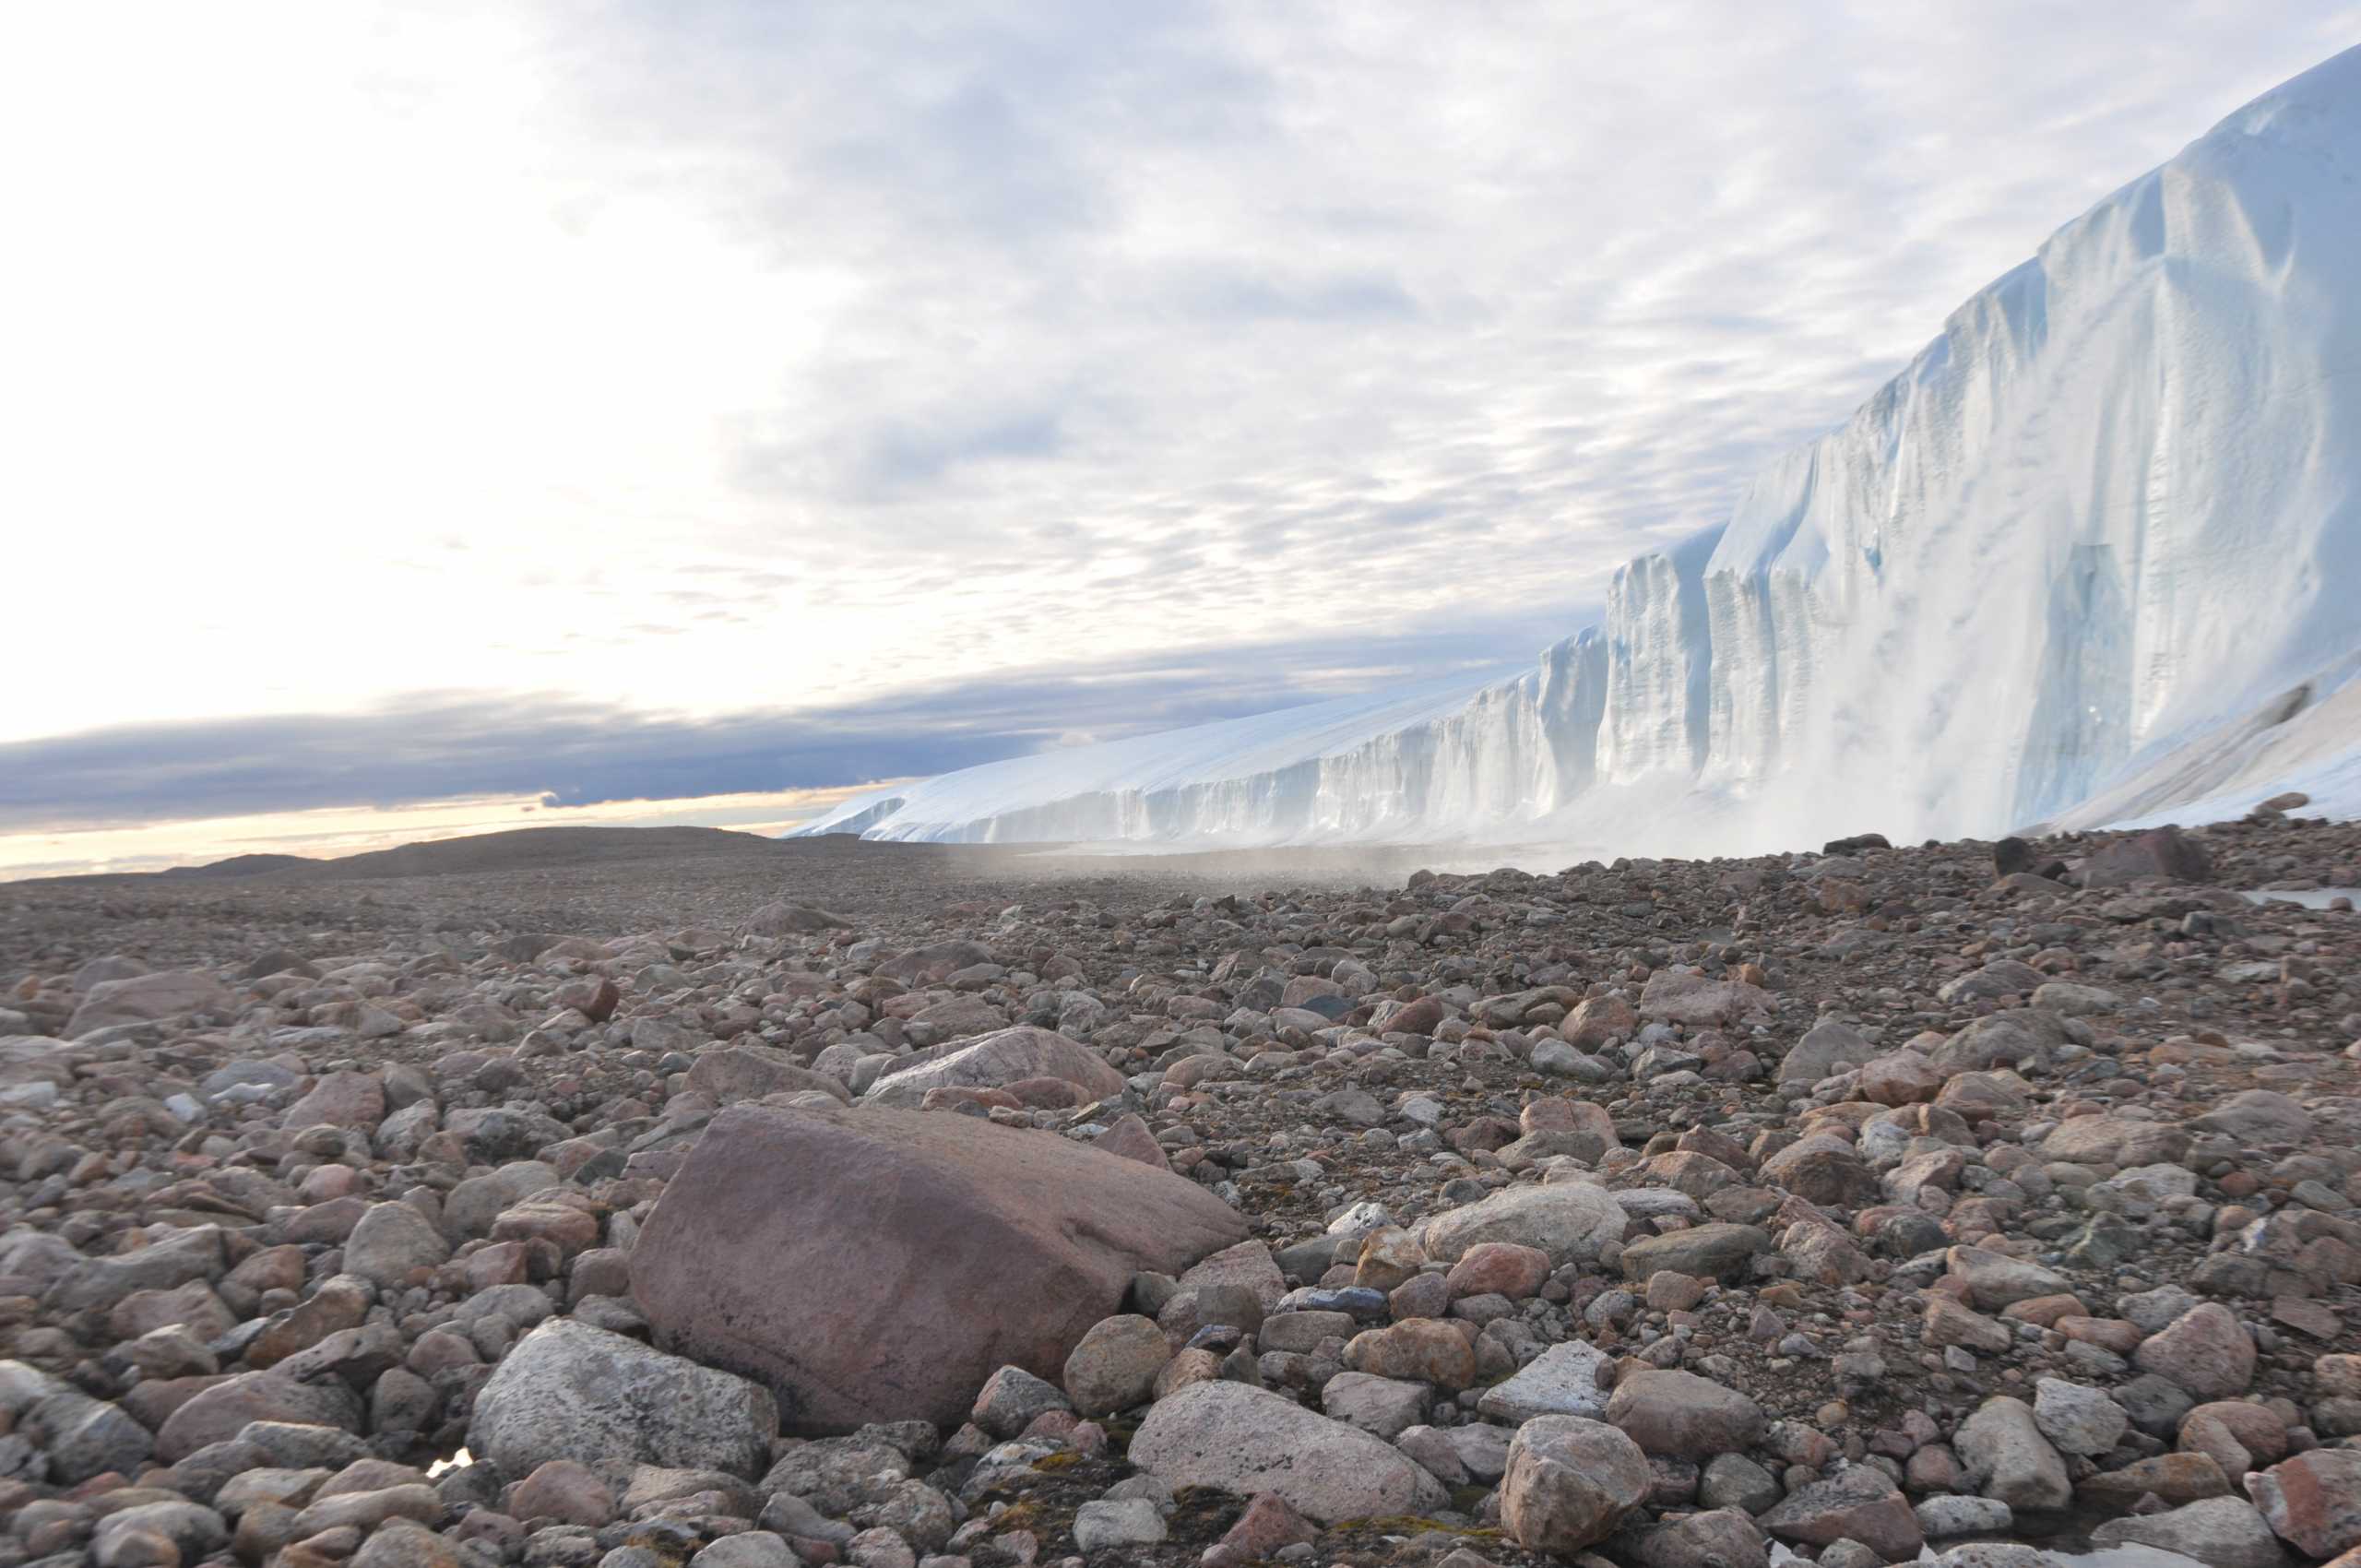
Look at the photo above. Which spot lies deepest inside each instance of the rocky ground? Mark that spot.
(889, 1204)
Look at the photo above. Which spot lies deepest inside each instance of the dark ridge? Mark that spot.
(240, 865)
(518, 848)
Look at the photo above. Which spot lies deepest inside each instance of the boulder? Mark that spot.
(1995, 1280)
(1570, 1482)
(1685, 996)
(1823, 1170)
(1722, 1537)
(1678, 1415)
(2008, 1459)
(194, 1532)
(145, 998)
(2205, 1351)
(83, 1437)
(1418, 1350)
(2220, 1532)
(1004, 1057)
(2161, 851)
(1861, 1504)
(2313, 1499)
(2002, 1041)
(1561, 1381)
(1569, 1220)
(569, 1391)
(2121, 1141)
(878, 1265)
(1242, 1440)
(221, 1411)
(174, 1258)
(750, 1072)
(1013, 1398)
(1827, 1049)
(1499, 1269)
(2258, 1116)
(1110, 1526)
(2078, 1420)
(340, 1099)
(1718, 1251)
(1383, 1405)
(392, 1242)
(1114, 1366)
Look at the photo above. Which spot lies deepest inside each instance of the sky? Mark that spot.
(559, 405)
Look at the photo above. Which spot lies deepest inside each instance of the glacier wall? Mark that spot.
(2094, 554)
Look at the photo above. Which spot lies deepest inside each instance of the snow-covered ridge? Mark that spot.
(2094, 555)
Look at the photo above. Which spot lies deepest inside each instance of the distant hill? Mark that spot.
(529, 849)
(240, 865)
(520, 849)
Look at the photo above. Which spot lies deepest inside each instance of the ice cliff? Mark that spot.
(2094, 556)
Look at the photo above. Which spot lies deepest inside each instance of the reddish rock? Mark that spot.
(1595, 1022)
(2175, 1478)
(1267, 1526)
(593, 996)
(875, 1264)
(1046, 1094)
(1901, 1077)
(2314, 1501)
(1417, 1017)
(340, 1099)
(2108, 1332)
(1570, 1482)
(1499, 1269)
(223, 1411)
(564, 1491)
(1130, 1139)
(2205, 1350)
(1419, 1350)
(2161, 851)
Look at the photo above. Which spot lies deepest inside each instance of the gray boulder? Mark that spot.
(569, 1391)
(1242, 1440)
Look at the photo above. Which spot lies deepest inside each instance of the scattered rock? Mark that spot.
(1244, 1440)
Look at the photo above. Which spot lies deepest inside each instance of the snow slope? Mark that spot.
(2094, 555)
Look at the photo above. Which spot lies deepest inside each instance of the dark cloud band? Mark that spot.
(577, 750)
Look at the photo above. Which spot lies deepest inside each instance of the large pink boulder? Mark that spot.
(879, 1264)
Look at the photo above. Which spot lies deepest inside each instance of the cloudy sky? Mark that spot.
(659, 400)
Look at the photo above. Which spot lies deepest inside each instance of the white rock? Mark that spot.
(1561, 1381)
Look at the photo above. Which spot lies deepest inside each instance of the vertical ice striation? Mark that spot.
(1659, 664)
(2093, 554)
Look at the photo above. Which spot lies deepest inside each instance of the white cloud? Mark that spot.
(705, 357)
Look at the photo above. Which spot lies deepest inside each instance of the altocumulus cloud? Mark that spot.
(838, 374)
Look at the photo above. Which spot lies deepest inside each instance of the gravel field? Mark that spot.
(752, 1203)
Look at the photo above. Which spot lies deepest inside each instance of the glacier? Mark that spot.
(2094, 557)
